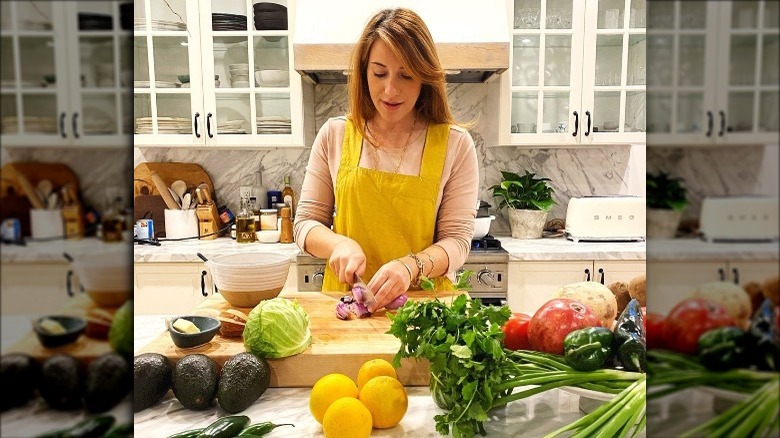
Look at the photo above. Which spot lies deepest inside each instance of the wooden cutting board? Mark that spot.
(337, 346)
(85, 349)
(190, 173)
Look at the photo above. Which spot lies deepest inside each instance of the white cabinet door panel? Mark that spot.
(532, 283)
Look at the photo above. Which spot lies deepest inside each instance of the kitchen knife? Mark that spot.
(162, 188)
(204, 190)
(200, 195)
(368, 296)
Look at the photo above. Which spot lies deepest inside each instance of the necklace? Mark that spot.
(375, 149)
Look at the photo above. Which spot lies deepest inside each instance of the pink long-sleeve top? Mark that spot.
(456, 201)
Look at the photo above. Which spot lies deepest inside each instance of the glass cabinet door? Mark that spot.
(615, 74)
(167, 79)
(545, 60)
(32, 68)
(246, 47)
(749, 94)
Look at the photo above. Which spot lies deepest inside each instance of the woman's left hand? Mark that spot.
(389, 282)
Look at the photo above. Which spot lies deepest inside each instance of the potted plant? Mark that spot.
(666, 199)
(528, 200)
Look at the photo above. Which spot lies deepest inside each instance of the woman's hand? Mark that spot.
(347, 259)
(389, 282)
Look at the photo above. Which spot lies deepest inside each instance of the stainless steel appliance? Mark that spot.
(487, 259)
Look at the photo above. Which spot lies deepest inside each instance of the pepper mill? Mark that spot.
(286, 235)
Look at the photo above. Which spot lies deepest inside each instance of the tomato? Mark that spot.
(556, 319)
(655, 330)
(516, 332)
(689, 319)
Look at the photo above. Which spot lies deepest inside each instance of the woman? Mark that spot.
(400, 177)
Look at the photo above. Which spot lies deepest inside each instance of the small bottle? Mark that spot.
(255, 209)
(259, 191)
(286, 234)
(245, 224)
(288, 195)
(113, 223)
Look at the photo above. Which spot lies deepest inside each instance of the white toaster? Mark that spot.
(739, 218)
(606, 218)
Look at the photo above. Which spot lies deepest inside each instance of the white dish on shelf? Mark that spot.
(239, 84)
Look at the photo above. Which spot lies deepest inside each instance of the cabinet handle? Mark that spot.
(722, 274)
(195, 125)
(735, 271)
(62, 125)
(722, 123)
(601, 271)
(576, 124)
(587, 274)
(76, 124)
(203, 283)
(587, 130)
(68, 279)
(208, 125)
(710, 122)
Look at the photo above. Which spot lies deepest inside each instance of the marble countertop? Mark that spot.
(52, 251)
(699, 250)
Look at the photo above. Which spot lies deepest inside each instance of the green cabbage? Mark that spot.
(277, 328)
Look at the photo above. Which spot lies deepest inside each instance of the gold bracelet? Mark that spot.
(411, 276)
(432, 262)
(420, 267)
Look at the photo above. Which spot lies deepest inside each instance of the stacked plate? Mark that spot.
(98, 126)
(158, 84)
(239, 75)
(231, 127)
(222, 21)
(91, 21)
(273, 125)
(270, 16)
(140, 24)
(36, 124)
(165, 125)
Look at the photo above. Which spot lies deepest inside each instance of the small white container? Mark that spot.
(45, 224)
(180, 224)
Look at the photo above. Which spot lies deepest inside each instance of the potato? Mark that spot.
(620, 290)
(637, 288)
(756, 293)
(771, 289)
(729, 295)
(593, 294)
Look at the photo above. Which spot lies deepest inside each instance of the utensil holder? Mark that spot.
(208, 220)
(74, 221)
(45, 223)
(180, 224)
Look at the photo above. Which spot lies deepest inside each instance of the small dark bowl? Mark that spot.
(208, 328)
(268, 7)
(262, 24)
(74, 327)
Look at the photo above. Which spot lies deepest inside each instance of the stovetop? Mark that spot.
(487, 250)
(487, 243)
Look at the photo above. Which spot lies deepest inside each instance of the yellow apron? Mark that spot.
(388, 214)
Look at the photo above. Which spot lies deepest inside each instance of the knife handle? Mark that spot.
(204, 190)
(199, 195)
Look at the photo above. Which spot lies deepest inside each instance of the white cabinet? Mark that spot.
(206, 77)
(669, 282)
(717, 72)
(577, 73)
(34, 288)
(169, 288)
(65, 67)
(532, 283)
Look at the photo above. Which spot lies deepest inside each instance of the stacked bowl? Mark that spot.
(106, 277)
(239, 75)
(270, 16)
(245, 279)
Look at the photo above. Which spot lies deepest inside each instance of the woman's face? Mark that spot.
(393, 90)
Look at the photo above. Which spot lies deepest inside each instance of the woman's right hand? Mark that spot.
(347, 259)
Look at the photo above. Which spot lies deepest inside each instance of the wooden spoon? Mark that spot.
(179, 187)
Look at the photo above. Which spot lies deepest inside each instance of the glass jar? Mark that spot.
(268, 219)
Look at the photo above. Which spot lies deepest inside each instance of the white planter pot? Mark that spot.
(527, 224)
(662, 224)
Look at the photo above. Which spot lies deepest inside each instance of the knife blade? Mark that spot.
(368, 296)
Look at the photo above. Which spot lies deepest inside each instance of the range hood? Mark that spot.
(472, 38)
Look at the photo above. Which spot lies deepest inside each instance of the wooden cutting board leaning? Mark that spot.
(337, 346)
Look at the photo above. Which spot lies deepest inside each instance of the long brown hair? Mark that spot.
(410, 41)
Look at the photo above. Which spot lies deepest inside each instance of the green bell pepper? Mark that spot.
(587, 349)
(722, 348)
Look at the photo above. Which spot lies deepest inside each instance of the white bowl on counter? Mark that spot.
(245, 279)
(268, 236)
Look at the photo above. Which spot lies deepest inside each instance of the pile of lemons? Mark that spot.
(347, 410)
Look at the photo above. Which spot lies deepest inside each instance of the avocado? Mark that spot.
(245, 377)
(107, 383)
(61, 383)
(152, 375)
(195, 379)
(19, 374)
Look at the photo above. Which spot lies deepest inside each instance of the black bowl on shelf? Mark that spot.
(268, 7)
(208, 328)
(126, 16)
(276, 15)
(91, 21)
(275, 24)
(74, 327)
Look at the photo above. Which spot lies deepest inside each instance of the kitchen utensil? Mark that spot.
(175, 197)
(46, 223)
(45, 187)
(179, 187)
(185, 201)
(206, 192)
(52, 201)
(159, 184)
(29, 191)
(199, 194)
(368, 296)
(181, 224)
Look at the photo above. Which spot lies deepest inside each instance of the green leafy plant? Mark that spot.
(524, 192)
(665, 192)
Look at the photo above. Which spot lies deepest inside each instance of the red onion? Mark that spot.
(396, 303)
(357, 292)
(342, 311)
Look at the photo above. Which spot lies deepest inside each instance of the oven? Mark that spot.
(488, 261)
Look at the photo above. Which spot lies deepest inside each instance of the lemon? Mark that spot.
(386, 400)
(374, 368)
(347, 417)
(327, 390)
